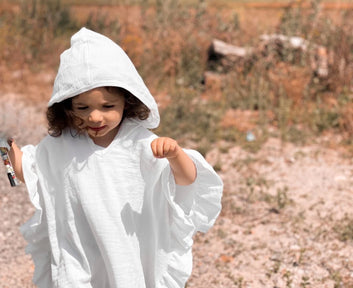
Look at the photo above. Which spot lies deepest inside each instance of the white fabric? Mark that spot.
(113, 217)
(94, 60)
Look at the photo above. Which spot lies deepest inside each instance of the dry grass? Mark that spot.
(171, 39)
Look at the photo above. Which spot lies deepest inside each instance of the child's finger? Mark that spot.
(175, 149)
(160, 147)
(166, 148)
(154, 147)
(170, 148)
(157, 147)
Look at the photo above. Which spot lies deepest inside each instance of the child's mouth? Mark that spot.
(97, 129)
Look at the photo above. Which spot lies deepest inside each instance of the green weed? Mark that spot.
(305, 282)
(188, 118)
(345, 230)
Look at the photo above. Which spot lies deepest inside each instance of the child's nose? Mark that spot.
(95, 116)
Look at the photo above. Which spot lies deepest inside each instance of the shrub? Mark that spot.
(39, 22)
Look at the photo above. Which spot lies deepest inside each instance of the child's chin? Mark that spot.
(96, 134)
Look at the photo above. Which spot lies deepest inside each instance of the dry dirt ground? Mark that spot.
(287, 218)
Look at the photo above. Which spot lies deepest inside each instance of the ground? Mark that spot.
(286, 219)
(286, 209)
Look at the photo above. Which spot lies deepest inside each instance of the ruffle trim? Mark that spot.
(35, 229)
(205, 208)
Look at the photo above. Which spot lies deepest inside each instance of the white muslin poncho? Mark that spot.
(111, 217)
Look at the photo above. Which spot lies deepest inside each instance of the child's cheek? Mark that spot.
(79, 122)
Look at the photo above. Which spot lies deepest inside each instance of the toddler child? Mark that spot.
(115, 205)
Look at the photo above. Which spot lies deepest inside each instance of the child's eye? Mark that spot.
(82, 108)
(108, 106)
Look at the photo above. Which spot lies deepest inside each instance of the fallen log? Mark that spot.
(219, 48)
(223, 56)
(292, 42)
(320, 58)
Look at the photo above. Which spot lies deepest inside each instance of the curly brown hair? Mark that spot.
(61, 116)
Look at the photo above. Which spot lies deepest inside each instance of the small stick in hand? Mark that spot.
(4, 148)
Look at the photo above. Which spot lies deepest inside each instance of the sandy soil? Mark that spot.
(286, 220)
(286, 209)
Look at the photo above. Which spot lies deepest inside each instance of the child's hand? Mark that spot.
(183, 168)
(165, 147)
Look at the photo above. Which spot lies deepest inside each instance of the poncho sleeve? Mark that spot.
(200, 202)
(194, 208)
(35, 229)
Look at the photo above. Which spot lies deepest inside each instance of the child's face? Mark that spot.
(101, 113)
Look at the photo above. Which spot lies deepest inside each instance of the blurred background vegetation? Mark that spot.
(276, 94)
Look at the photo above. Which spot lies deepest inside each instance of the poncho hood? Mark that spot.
(92, 61)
